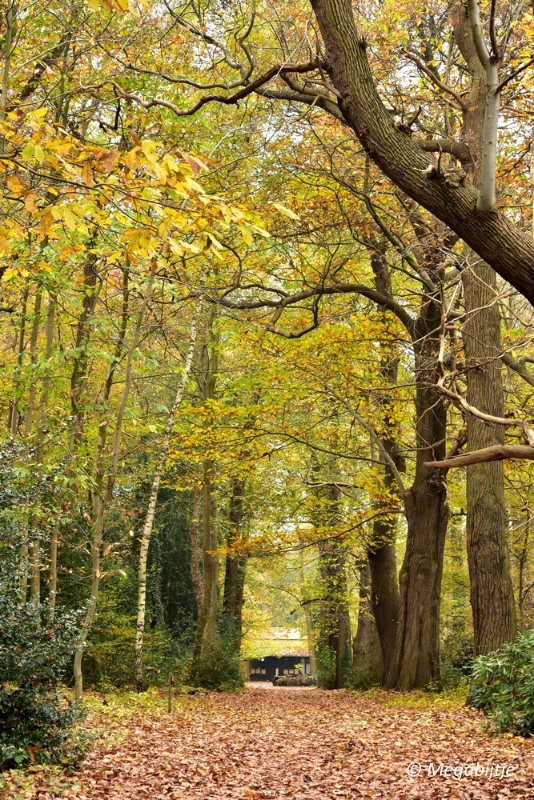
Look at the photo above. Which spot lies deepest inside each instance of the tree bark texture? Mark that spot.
(489, 233)
(492, 598)
(196, 552)
(334, 653)
(367, 660)
(384, 588)
(236, 566)
(416, 658)
(207, 623)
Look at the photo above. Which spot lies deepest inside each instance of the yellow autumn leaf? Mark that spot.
(287, 211)
(149, 149)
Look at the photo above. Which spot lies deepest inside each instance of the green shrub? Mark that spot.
(503, 686)
(219, 669)
(109, 659)
(36, 723)
(362, 679)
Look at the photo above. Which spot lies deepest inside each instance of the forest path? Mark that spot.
(297, 744)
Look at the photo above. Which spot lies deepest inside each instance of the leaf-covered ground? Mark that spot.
(288, 743)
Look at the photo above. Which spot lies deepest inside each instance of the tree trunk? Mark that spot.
(236, 565)
(196, 555)
(207, 623)
(34, 550)
(416, 660)
(151, 511)
(334, 653)
(383, 589)
(206, 639)
(367, 660)
(492, 598)
(80, 363)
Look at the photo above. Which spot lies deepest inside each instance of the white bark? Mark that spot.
(151, 510)
(487, 198)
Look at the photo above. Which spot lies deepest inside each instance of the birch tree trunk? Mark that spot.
(151, 511)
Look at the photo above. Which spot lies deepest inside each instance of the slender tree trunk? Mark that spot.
(207, 623)
(13, 427)
(14, 416)
(10, 17)
(196, 551)
(34, 549)
(39, 452)
(104, 493)
(236, 565)
(151, 511)
(384, 588)
(52, 581)
(80, 363)
(334, 650)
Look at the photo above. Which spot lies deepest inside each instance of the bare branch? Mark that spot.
(374, 436)
(495, 51)
(518, 367)
(497, 452)
(459, 150)
(435, 80)
(339, 288)
(518, 71)
(232, 99)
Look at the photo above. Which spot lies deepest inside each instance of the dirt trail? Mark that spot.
(300, 744)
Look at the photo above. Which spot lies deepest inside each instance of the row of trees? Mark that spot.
(250, 255)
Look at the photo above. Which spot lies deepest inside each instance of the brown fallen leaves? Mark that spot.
(291, 743)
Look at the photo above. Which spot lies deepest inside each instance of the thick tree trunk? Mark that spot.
(492, 598)
(416, 660)
(236, 566)
(367, 660)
